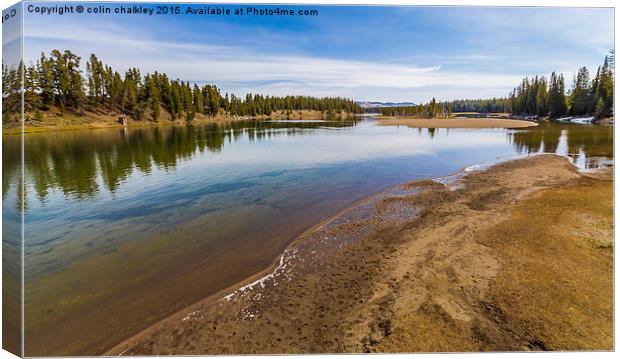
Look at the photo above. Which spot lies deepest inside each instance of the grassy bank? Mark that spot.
(70, 121)
(559, 259)
(535, 275)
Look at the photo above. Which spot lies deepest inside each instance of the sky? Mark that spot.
(367, 53)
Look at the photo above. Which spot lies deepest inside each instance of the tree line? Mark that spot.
(57, 80)
(587, 97)
(429, 110)
(496, 105)
(537, 96)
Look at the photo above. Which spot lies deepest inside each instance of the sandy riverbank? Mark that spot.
(453, 122)
(484, 263)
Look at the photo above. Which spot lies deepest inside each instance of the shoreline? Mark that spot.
(453, 122)
(304, 115)
(258, 280)
(255, 279)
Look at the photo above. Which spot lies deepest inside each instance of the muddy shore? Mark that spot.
(480, 262)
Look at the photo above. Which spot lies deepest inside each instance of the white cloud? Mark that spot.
(240, 70)
(11, 36)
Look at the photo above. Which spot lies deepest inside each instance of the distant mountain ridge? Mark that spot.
(371, 104)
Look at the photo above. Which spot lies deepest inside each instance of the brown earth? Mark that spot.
(453, 122)
(517, 257)
(53, 120)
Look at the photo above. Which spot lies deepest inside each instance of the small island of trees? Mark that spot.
(429, 110)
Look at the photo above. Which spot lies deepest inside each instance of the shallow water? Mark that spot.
(124, 227)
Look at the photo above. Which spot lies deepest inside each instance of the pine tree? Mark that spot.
(153, 96)
(32, 98)
(175, 100)
(198, 100)
(46, 81)
(557, 99)
(95, 79)
(580, 97)
(542, 107)
(62, 79)
(604, 90)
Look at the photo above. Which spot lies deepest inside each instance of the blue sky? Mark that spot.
(365, 53)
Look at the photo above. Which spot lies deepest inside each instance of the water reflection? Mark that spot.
(73, 161)
(590, 147)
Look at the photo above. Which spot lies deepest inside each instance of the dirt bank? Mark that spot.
(454, 122)
(91, 120)
(517, 257)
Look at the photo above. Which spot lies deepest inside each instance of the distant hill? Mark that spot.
(374, 104)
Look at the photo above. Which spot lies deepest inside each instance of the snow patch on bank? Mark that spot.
(578, 120)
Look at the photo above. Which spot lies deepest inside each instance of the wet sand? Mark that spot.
(479, 261)
(453, 122)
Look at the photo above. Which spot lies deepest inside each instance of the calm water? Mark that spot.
(124, 227)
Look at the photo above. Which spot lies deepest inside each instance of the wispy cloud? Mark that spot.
(477, 52)
(234, 69)
(12, 36)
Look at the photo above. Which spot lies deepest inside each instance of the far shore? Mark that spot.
(453, 122)
(95, 121)
(445, 265)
